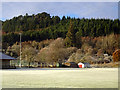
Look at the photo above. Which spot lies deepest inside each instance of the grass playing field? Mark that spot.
(61, 78)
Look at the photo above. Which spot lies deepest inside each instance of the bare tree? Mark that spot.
(55, 52)
(28, 54)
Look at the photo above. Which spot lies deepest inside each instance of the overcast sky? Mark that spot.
(73, 9)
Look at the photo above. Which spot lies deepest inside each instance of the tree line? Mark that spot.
(42, 26)
(51, 51)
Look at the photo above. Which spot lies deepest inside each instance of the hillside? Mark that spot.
(44, 20)
(42, 26)
(54, 40)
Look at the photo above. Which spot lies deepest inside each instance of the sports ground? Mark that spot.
(60, 78)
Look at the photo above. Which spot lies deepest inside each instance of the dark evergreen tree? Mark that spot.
(70, 36)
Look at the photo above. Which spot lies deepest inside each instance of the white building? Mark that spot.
(84, 65)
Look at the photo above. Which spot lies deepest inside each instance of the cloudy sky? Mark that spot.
(73, 9)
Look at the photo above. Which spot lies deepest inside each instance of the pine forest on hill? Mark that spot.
(54, 39)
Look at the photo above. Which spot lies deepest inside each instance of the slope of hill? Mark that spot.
(42, 26)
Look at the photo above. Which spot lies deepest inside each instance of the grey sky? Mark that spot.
(73, 9)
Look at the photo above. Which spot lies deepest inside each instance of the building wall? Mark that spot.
(0, 63)
(5, 63)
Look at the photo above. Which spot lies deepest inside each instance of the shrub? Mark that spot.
(100, 53)
(85, 47)
(116, 55)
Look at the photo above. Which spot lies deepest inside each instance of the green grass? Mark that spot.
(61, 78)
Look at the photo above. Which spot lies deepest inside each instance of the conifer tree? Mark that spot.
(70, 36)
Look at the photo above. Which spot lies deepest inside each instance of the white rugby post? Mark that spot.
(20, 51)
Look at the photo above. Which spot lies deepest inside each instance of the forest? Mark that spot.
(42, 26)
(54, 39)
